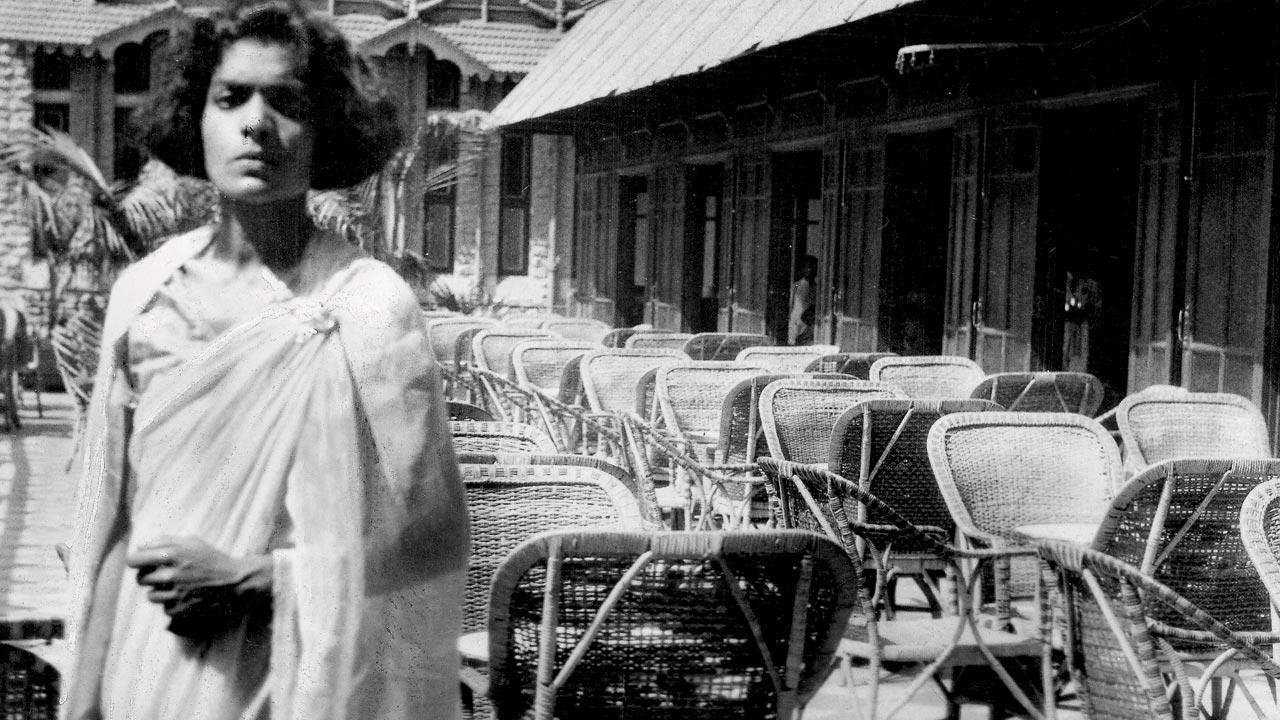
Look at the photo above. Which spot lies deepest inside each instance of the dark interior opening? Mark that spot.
(913, 260)
(633, 231)
(795, 230)
(1084, 266)
(704, 226)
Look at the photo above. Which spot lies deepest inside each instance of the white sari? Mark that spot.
(314, 431)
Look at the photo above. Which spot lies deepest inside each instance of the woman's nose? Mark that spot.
(258, 117)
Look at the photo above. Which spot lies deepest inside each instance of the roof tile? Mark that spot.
(72, 23)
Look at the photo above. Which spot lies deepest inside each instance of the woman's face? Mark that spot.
(257, 135)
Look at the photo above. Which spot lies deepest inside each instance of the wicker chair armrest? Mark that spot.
(1178, 632)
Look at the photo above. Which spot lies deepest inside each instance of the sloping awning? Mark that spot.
(626, 45)
(79, 26)
(484, 50)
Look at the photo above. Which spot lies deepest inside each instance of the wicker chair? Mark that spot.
(491, 365)
(581, 329)
(541, 362)
(1179, 522)
(499, 437)
(722, 346)
(617, 337)
(999, 471)
(528, 320)
(740, 429)
(656, 340)
(929, 376)
(882, 445)
(442, 336)
(857, 364)
(1072, 392)
(467, 411)
(642, 491)
(783, 358)
(609, 377)
(1115, 652)
(509, 503)
(598, 624)
(810, 498)
(798, 414)
(31, 685)
(1166, 425)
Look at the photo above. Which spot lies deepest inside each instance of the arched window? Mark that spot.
(444, 82)
(132, 63)
(51, 71)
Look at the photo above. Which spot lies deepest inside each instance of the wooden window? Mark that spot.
(513, 223)
(132, 69)
(444, 82)
(51, 71)
(127, 157)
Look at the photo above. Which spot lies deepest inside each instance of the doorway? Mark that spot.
(633, 250)
(913, 259)
(795, 231)
(704, 210)
(1084, 254)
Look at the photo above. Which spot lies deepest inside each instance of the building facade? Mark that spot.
(82, 66)
(1034, 186)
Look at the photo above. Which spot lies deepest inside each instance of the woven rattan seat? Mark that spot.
(581, 329)
(1116, 660)
(998, 471)
(656, 340)
(467, 411)
(722, 346)
(541, 362)
(1167, 425)
(597, 625)
(1042, 392)
(929, 376)
(30, 687)
(809, 497)
(499, 437)
(609, 377)
(857, 364)
(783, 358)
(798, 414)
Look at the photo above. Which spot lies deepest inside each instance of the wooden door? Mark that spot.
(962, 244)
(746, 292)
(1225, 306)
(597, 229)
(826, 299)
(663, 306)
(856, 285)
(1155, 291)
(1006, 253)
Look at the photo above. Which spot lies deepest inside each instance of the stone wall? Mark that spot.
(16, 109)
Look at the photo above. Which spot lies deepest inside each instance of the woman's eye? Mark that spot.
(229, 97)
(288, 101)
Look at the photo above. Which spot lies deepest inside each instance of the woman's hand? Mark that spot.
(204, 590)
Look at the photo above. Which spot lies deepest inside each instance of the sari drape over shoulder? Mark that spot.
(314, 431)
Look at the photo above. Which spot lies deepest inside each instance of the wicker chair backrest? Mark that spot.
(442, 334)
(691, 393)
(464, 355)
(723, 346)
(784, 359)
(883, 446)
(740, 425)
(617, 337)
(1000, 470)
(798, 414)
(571, 391)
(1114, 659)
(541, 362)
(671, 625)
(491, 349)
(499, 437)
(1260, 534)
(929, 376)
(609, 377)
(508, 503)
(1073, 392)
(857, 364)
(651, 340)
(527, 321)
(1179, 522)
(584, 329)
(1160, 426)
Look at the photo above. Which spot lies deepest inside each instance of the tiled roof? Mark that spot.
(505, 47)
(626, 45)
(357, 27)
(68, 23)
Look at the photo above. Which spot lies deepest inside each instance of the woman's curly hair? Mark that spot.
(357, 128)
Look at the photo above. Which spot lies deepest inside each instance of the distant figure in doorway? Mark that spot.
(800, 326)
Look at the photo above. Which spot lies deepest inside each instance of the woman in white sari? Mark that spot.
(270, 522)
